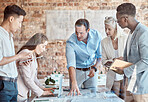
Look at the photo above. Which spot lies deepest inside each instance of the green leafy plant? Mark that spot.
(49, 80)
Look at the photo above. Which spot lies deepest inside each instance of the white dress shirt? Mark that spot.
(128, 43)
(7, 50)
(118, 77)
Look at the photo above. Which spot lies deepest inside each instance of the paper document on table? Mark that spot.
(120, 63)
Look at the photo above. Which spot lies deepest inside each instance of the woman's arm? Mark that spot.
(28, 79)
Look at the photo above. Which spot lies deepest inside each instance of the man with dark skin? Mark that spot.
(135, 51)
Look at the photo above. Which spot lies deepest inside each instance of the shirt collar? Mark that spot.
(6, 33)
(11, 35)
(137, 27)
(90, 34)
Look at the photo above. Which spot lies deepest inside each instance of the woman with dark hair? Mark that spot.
(27, 78)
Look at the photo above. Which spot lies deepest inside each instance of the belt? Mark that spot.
(8, 79)
(83, 69)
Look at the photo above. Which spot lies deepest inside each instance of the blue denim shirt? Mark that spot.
(81, 55)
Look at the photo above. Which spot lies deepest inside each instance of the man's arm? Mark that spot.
(71, 64)
(98, 56)
(21, 55)
(142, 64)
(94, 67)
(74, 86)
(6, 60)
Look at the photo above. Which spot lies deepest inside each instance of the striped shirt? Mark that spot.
(7, 50)
(81, 55)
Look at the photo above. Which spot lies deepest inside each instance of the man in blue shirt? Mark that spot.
(83, 53)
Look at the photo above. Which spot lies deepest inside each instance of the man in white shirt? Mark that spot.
(13, 17)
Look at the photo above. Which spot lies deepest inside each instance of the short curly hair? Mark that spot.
(127, 8)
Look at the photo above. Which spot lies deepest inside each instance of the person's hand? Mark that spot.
(74, 89)
(25, 63)
(118, 70)
(48, 93)
(49, 89)
(108, 64)
(25, 55)
(91, 73)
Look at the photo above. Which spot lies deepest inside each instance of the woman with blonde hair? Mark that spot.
(113, 48)
(27, 77)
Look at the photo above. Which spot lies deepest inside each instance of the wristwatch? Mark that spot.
(94, 68)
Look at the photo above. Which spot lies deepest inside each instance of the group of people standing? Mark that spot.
(85, 51)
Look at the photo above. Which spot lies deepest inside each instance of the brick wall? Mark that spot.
(34, 22)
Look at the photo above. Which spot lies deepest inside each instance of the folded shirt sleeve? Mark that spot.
(70, 56)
